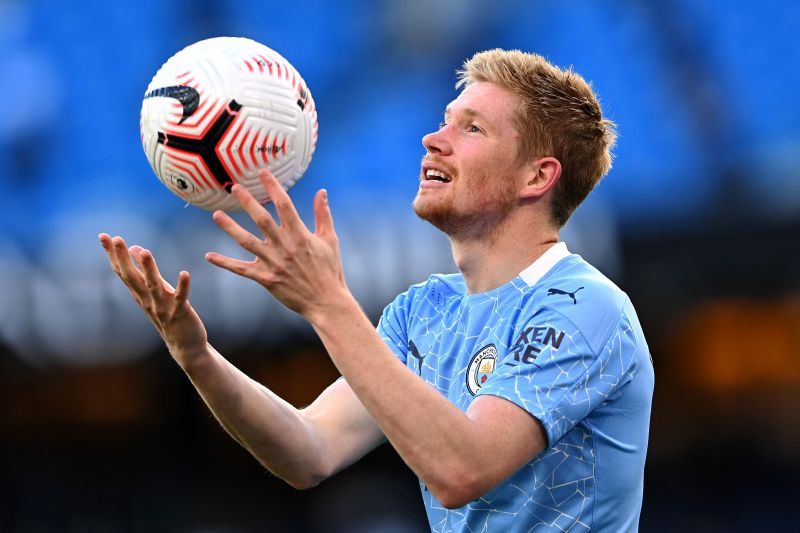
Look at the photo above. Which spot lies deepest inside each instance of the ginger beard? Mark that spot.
(469, 207)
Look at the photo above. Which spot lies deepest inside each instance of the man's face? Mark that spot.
(470, 175)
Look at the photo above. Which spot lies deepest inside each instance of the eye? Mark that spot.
(442, 125)
(472, 128)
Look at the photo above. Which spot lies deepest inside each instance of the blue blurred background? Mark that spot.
(699, 221)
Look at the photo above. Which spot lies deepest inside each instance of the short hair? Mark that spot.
(559, 116)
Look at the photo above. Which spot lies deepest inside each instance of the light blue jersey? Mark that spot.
(562, 342)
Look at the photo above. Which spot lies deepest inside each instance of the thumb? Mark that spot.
(323, 219)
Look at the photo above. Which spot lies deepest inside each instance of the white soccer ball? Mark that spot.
(217, 112)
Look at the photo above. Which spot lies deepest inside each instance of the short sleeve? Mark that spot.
(393, 326)
(552, 372)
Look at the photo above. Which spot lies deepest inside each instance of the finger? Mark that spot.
(139, 254)
(260, 216)
(241, 268)
(323, 218)
(130, 275)
(244, 238)
(105, 240)
(136, 253)
(153, 279)
(108, 246)
(283, 204)
(182, 291)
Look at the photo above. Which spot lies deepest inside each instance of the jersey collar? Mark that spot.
(546, 261)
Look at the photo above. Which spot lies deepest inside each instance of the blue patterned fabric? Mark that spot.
(563, 343)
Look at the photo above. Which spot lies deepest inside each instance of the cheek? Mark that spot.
(487, 174)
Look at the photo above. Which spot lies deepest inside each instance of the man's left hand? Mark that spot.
(300, 268)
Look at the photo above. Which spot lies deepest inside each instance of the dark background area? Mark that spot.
(699, 221)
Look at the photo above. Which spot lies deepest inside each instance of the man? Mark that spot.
(518, 390)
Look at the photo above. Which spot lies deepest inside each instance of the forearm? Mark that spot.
(271, 429)
(436, 439)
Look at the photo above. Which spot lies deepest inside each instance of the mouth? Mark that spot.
(431, 173)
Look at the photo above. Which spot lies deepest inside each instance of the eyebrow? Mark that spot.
(469, 112)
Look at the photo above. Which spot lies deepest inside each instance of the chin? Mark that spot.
(443, 216)
(429, 210)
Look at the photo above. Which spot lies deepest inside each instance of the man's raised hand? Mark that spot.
(300, 268)
(167, 308)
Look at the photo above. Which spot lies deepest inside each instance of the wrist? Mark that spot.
(337, 307)
(191, 359)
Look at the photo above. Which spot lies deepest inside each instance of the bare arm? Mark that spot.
(459, 456)
(300, 446)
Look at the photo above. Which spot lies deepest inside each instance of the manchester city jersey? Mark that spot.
(563, 343)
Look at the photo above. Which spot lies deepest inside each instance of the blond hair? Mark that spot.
(559, 116)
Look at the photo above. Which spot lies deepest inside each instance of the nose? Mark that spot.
(437, 143)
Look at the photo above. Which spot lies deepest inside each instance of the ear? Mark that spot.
(542, 175)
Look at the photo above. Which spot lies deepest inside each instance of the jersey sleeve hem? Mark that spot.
(544, 409)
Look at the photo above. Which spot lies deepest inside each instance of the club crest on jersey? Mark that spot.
(480, 367)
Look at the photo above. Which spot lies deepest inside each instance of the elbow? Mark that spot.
(459, 489)
(455, 499)
(298, 478)
(304, 483)
(452, 501)
(304, 480)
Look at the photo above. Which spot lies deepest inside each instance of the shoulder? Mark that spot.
(576, 293)
(436, 287)
(434, 292)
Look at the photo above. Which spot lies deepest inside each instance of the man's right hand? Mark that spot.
(302, 447)
(168, 308)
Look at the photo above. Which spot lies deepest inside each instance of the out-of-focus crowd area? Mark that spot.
(699, 221)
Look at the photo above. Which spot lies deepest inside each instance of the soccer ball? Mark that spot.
(217, 112)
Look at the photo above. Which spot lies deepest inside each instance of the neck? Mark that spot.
(488, 262)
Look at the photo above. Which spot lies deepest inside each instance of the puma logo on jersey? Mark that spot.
(552, 291)
(415, 354)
